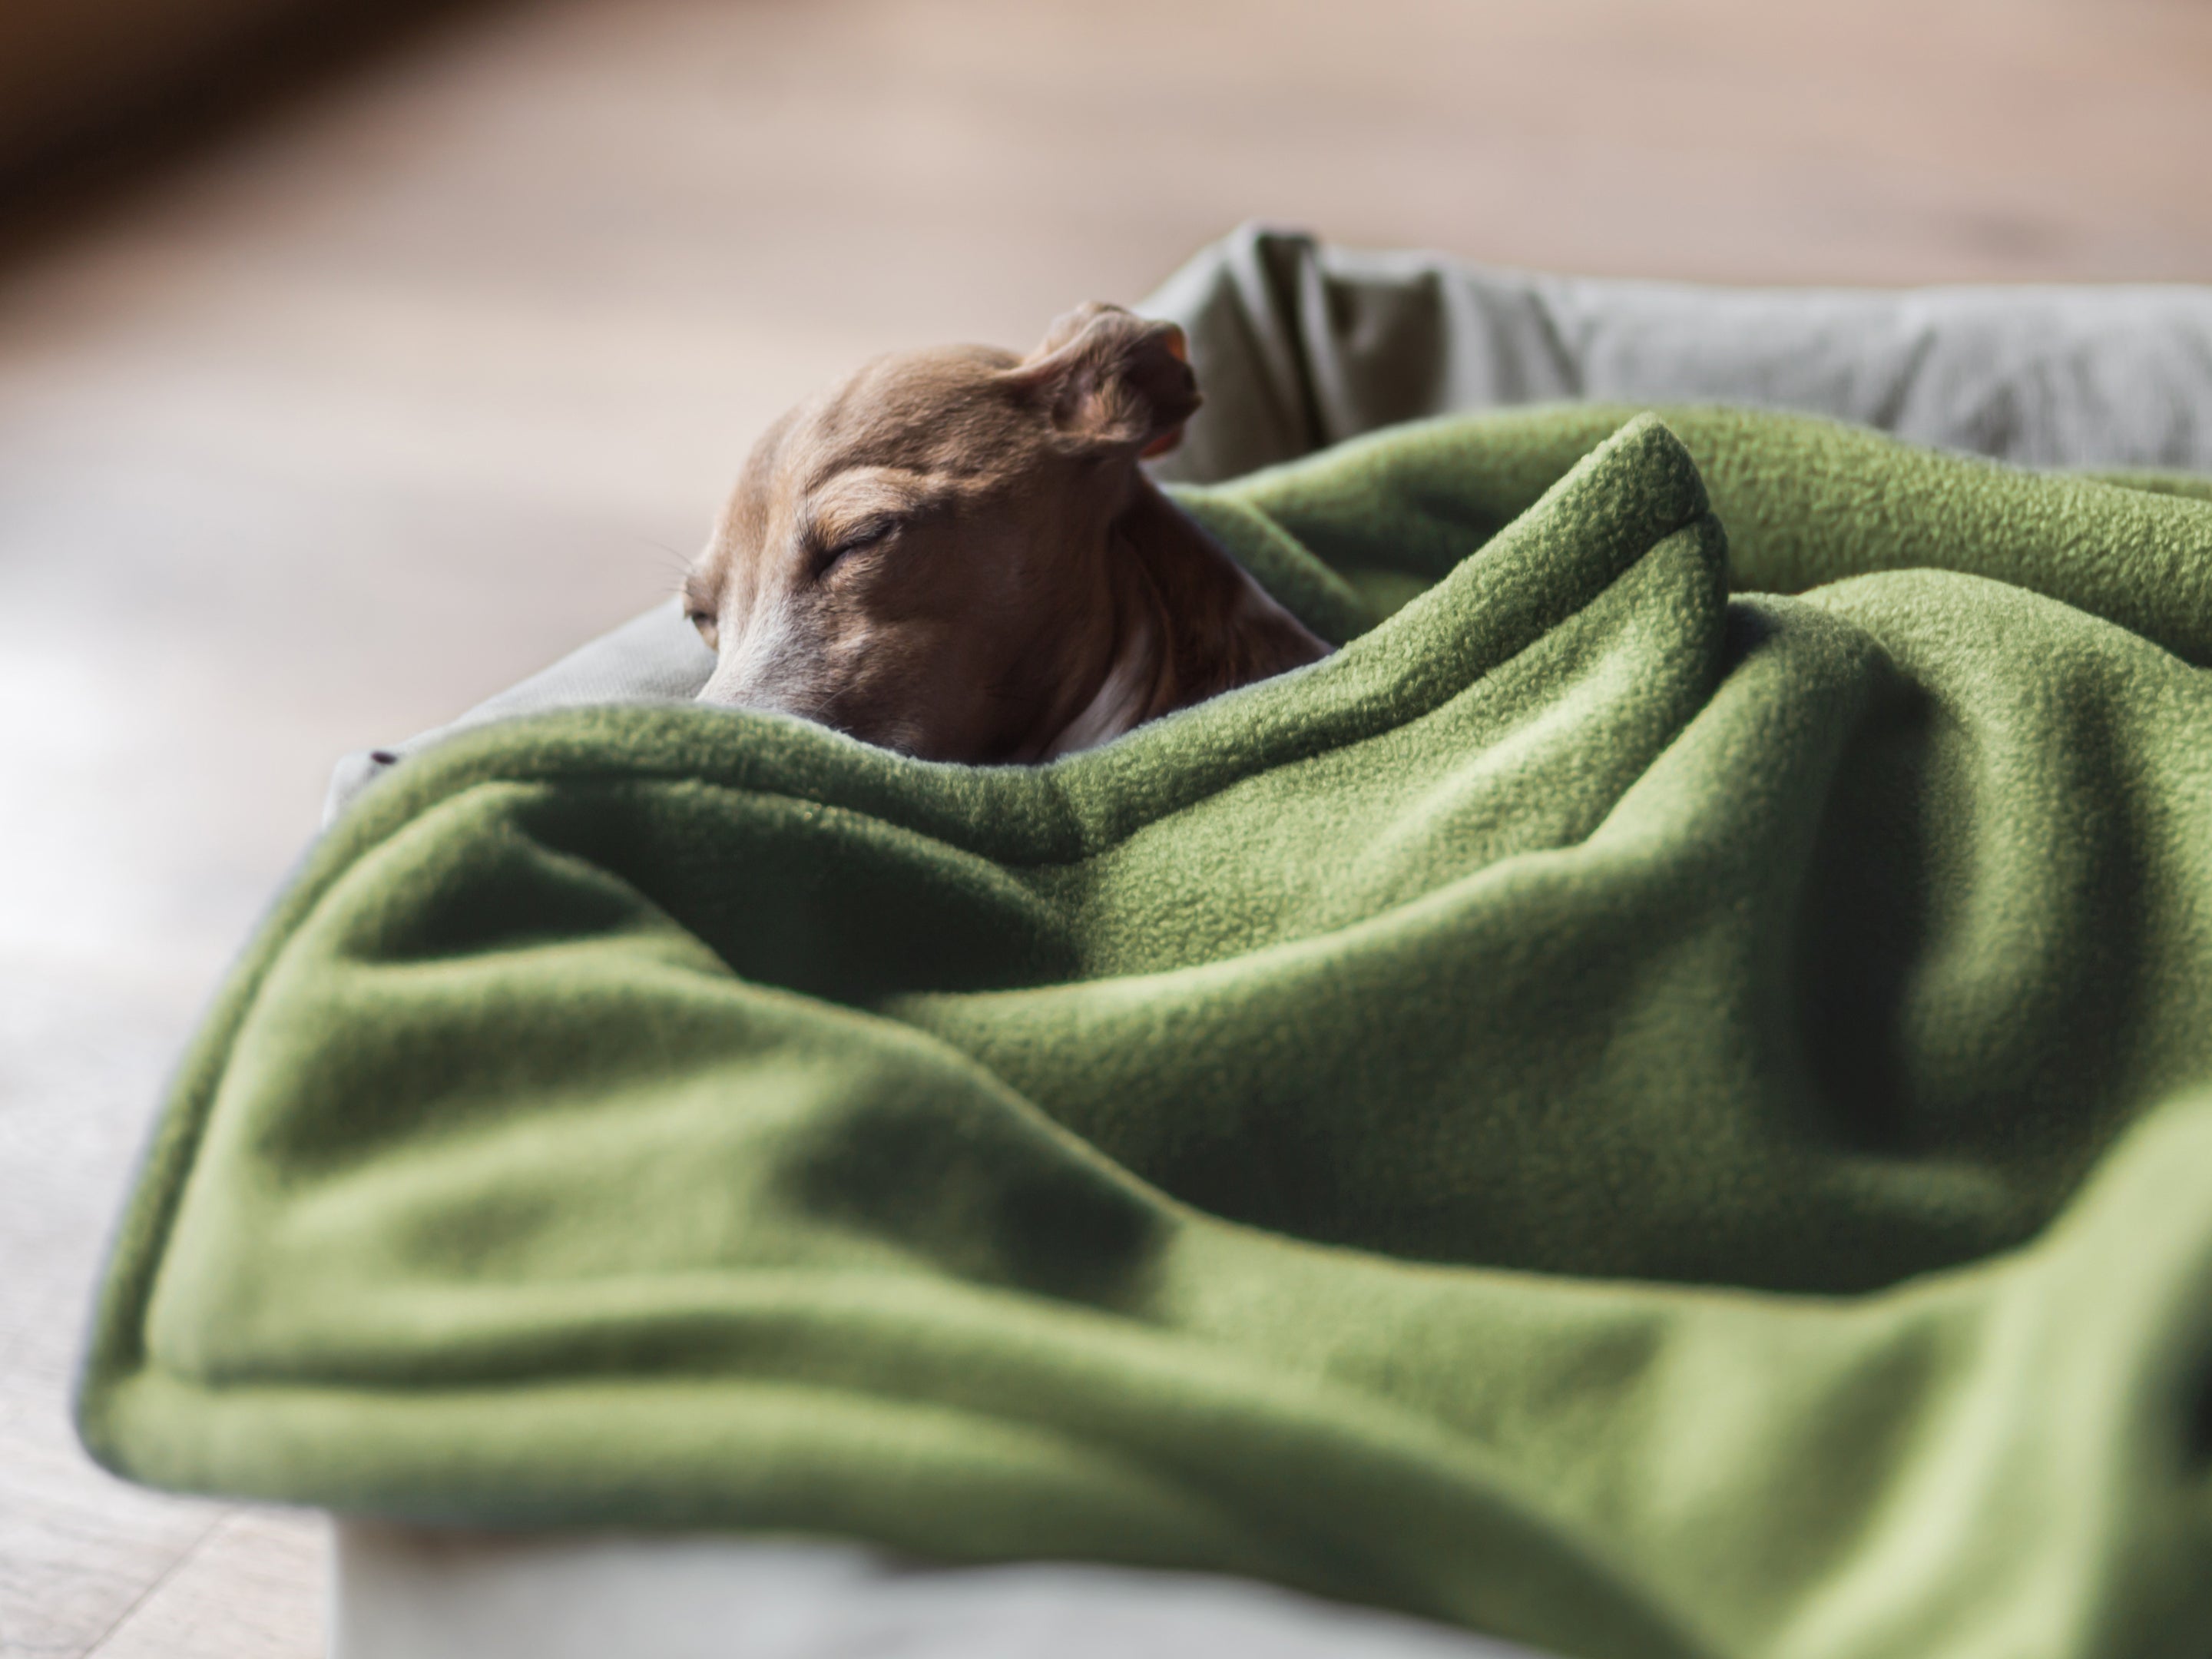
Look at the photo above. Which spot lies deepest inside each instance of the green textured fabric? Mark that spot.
(1641, 1120)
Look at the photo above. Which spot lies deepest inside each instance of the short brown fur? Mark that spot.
(955, 553)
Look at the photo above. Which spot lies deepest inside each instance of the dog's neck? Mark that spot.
(1188, 623)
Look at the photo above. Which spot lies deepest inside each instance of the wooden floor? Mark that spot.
(328, 428)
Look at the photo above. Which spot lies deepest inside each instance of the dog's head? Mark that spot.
(919, 556)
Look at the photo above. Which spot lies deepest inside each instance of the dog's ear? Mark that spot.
(1112, 380)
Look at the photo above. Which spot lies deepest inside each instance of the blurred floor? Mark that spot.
(333, 426)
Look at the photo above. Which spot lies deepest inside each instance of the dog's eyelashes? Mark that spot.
(866, 535)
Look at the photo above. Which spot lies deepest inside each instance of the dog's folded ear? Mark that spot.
(1112, 380)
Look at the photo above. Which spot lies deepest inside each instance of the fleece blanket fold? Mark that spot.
(1658, 1102)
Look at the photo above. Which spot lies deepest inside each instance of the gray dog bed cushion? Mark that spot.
(1300, 346)
(411, 1593)
(1297, 346)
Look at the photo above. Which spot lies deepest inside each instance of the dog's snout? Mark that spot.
(781, 684)
(741, 690)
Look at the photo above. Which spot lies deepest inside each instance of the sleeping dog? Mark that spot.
(955, 554)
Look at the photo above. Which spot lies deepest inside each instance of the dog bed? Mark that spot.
(1300, 346)
(1631, 1119)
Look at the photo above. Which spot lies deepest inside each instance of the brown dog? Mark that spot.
(955, 554)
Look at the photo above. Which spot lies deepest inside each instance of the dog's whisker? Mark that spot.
(678, 564)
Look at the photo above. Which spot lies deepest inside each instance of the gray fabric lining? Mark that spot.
(656, 656)
(410, 1593)
(1299, 346)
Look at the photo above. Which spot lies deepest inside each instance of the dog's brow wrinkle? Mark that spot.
(806, 523)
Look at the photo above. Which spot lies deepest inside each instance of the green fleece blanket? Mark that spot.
(1644, 1121)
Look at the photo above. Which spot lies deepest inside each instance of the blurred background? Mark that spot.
(356, 362)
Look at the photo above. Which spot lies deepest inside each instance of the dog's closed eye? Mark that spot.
(869, 532)
(700, 608)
